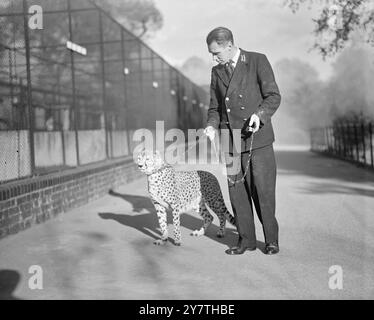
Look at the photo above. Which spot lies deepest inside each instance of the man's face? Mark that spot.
(221, 53)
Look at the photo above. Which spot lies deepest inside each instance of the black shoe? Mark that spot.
(272, 248)
(239, 250)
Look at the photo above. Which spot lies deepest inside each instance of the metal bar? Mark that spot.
(347, 141)
(154, 90)
(351, 140)
(371, 144)
(83, 43)
(339, 136)
(356, 142)
(81, 61)
(87, 61)
(123, 56)
(326, 138)
(45, 12)
(103, 81)
(11, 85)
(29, 89)
(363, 141)
(141, 78)
(74, 106)
(57, 102)
(343, 140)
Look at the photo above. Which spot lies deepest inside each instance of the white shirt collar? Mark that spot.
(235, 58)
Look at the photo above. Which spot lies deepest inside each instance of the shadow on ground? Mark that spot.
(323, 188)
(147, 223)
(138, 202)
(9, 280)
(324, 167)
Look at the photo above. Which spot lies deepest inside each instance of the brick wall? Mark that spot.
(35, 200)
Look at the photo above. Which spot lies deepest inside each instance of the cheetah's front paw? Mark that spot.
(198, 233)
(220, 234)
(160, 242)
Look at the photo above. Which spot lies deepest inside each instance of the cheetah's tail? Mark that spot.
(230, 218)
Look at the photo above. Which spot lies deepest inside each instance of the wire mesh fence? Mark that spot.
(74, 91)
(350, 141)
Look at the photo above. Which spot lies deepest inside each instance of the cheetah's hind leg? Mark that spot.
(208, 218)
(223, 214)
(222, 226)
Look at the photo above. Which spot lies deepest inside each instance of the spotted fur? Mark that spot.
(182, 191)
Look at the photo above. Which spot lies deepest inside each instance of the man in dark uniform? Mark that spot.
(244, 96)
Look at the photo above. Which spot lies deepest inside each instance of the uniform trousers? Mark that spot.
(258, 189)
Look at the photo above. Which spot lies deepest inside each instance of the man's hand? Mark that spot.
(210, 132)
(254, 123)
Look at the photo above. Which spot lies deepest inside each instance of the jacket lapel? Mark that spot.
(222, 75)
(239, 73)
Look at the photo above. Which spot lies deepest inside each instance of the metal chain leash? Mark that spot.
(233, 182)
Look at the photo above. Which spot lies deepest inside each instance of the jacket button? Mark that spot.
(228, 110)
(240, 96)
(242, 108)
(227, 122)
(244, 119)
(227, 99)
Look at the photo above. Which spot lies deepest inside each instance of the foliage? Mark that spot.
(141, 17)
(338, 21)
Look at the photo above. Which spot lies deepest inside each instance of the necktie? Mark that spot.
(229, 68)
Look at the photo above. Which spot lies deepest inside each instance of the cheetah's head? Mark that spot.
(148, 161)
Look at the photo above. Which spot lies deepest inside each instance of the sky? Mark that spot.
(258, 25)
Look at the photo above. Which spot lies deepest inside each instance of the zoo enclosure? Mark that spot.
(60, 108)
(351, 141)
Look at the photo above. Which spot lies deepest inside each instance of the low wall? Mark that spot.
(14, 154)
(34, 200)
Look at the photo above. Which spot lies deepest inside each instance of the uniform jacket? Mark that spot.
(252, 89)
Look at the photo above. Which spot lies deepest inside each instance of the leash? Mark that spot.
(233, 182)
(194, 144)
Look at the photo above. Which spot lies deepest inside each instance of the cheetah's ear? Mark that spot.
(157, 153)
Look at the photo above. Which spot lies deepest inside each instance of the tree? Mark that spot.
(338, 21)
(197, 69)
(349, 90)
(141, 17)
(302, 92)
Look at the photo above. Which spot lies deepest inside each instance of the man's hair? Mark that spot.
(221, 35)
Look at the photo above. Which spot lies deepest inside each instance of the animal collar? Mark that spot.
(165, 165)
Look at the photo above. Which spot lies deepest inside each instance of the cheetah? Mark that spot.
(182, 191)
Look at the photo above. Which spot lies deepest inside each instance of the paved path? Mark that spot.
(104, 250)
